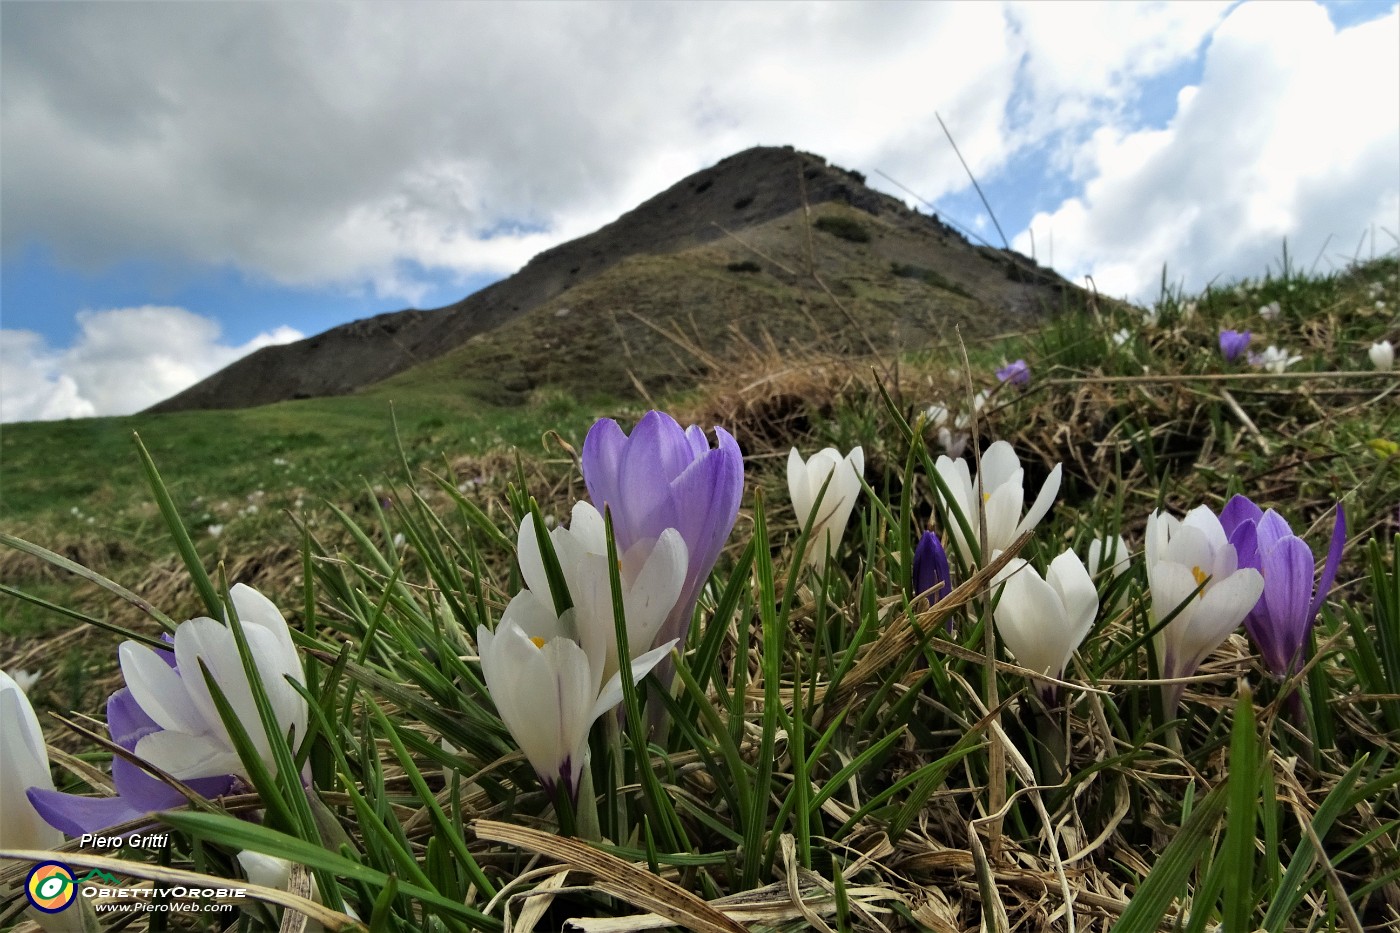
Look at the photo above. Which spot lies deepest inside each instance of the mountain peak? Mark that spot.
(745, 191)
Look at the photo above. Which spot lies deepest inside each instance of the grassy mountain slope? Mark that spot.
(661, 321)
(739, 194)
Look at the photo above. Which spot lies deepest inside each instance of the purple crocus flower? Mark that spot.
(1233, 343)
(1280, 622)
(138, 793)
(1017, 373)
(660, 477)
(932, 577)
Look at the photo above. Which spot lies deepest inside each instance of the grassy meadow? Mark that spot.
(837, 752)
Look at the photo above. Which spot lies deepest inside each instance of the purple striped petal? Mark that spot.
(1288, 576)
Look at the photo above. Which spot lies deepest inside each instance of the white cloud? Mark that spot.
(346, 144)
(1293, 132)
(379, 146)
(122, 361)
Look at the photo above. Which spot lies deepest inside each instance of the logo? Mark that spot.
(51, 887)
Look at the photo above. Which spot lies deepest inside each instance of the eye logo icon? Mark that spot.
(50, 887)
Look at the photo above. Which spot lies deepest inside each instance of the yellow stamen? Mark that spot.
(1200, 575)
(539, 642)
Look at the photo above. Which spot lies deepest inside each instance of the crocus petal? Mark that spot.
(656, 452)
(1075, 590)
(1042, 621)
(1205, 521)
(653, 594)
(611, 694)
(210, 642)
(531, 559)
(1031, 620)
(1223, 606)
(1108, 554)
(24, 766)
(1279, 622)
(999, 465)
(159, 689)
(74, 815)
(188, 756)
(1272, 529)
(255, 609)
(798, 487)
(601, 460)
(1245, 540)
(715, 477)
(1002, 508)
(534, 614)
(1043, 501)
(126, 718)
(266, 870)
(1238, 511)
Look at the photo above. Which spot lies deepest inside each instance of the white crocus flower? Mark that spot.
(548, 693)
(1270, 311)
(270, 871)
(998, 490)
(193, 741)
(1183, 554)
(24, 763)
(1273, 359)
(1122, 336)
(1108, 552)
(805, 481)
(953, 431)
(1382, 355)
(652, 575)
(1042, 621)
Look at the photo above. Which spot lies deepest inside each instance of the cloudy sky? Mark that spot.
(183, 183)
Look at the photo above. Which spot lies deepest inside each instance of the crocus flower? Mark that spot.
(24, 763)
(1183, 554)
(167, 717)
(1017, 373)
(1233, 343)
(665, 477)
(549, 693)
(998, 490)
(273, 872)
(1122, 336)
(1273, 359)
(952, 431)
(1382, 355)
(1042, 621)
(805, 481)
(1270, 311)
(932, 577)
(138, 792)
(652, 575)
(1280, 621)
(1108, 552)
